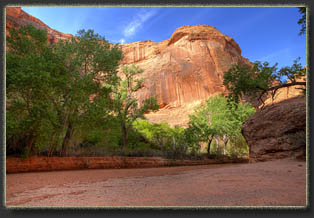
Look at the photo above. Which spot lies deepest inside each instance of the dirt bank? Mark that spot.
(38, 164)
(273, 183)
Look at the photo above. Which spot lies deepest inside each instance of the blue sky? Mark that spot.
(263, 33)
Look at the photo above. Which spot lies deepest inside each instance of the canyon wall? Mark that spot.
(185, 68)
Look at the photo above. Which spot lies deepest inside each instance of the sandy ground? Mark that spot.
(273, 183)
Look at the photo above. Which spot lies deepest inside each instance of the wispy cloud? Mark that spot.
(137, 22)
(277, 55)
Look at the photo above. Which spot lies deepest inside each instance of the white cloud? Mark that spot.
(122, 41)
(137, 22)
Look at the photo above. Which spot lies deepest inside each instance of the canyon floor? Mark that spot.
(272, 183)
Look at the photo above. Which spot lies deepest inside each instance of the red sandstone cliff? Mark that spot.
(185, 68)
(16, 17)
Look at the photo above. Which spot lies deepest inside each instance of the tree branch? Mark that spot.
(274, 89)
(286, 85)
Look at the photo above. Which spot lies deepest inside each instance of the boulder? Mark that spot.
(278, 130)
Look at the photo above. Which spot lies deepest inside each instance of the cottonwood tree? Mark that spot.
(91, 70)
(49, 87)
(126, 105)
(30, 66)
(218, 118)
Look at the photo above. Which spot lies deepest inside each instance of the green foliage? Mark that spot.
(218, 118)
(49, 87)
(251, 82)
(302, 20)
(239, 147)
(292, 73)
(126, 106)
(172, 142)
(155, 133)
(30, 65)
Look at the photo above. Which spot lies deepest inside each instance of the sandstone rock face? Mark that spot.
(278, 130)
(185, 68)
(16, 17)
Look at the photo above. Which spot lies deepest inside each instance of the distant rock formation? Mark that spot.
(278, 130)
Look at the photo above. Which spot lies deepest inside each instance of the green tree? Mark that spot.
(173, 142)
(302, 20)
(157, 134)
(30, 66)
(51, 88)
(126, 106)
(91, 72)
(253, 82)
(218, 118)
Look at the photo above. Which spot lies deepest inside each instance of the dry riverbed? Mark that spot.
(272, 183)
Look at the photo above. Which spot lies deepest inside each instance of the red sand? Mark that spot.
(272, 183)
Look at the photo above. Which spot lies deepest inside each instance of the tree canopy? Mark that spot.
(219, 117)
(49, 87)
(252, 82)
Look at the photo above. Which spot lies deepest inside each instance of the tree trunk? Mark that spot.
(29, 145)
(66, 140)
(225, 138)
(52, 146)
(124, 137)
(217, 146)
(208, 145)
